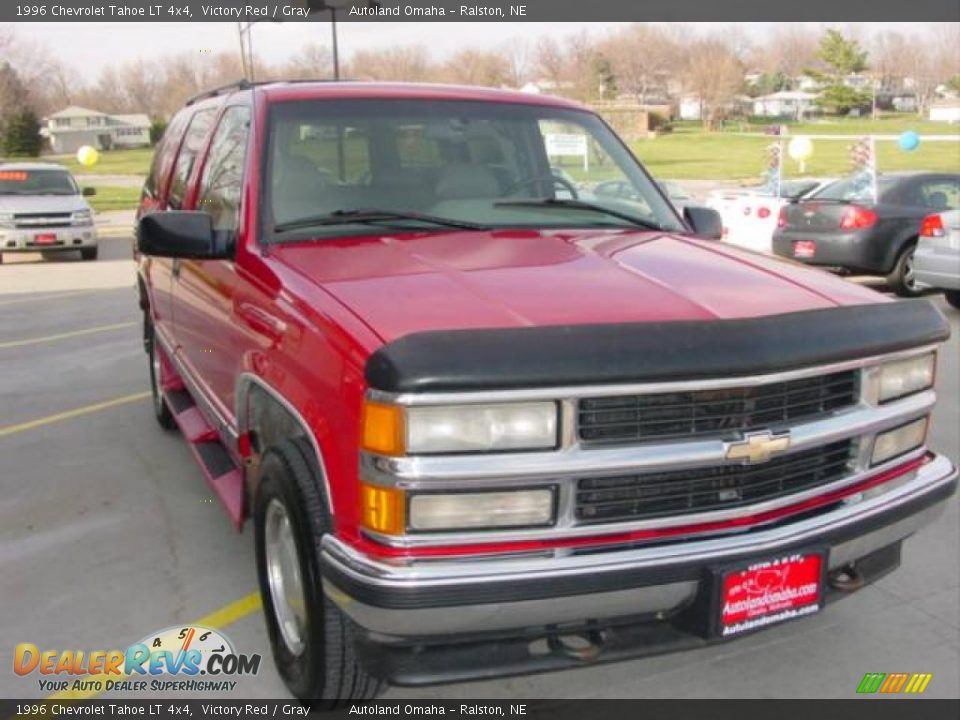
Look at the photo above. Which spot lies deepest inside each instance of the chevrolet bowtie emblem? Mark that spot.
(758, 447)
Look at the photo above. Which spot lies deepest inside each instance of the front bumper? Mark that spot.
(73, 237)
(403, 608)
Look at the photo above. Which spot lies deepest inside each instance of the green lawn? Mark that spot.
(691, 153)
(135, 161)
(888, 124)
(114, 198)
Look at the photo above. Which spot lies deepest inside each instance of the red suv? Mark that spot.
(487, 421)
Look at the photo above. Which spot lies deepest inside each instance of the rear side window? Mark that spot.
(939, 194)
(222, 181)
(189, 149)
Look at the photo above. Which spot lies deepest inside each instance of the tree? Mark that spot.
(642, 57)
(409, 64)
(477, 67)
(844, 58)
(714, 74)
(157, 129)
(21, 134)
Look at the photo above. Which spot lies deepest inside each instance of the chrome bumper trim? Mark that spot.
(437, 573)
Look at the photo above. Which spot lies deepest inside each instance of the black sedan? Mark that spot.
(842, 227)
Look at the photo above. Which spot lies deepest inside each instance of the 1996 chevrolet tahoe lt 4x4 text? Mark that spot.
(486, 422)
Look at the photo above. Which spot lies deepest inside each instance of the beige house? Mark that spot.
(74, 127)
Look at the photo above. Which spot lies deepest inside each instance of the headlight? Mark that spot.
(81, 217)
(898, 441)
(905, 377)
(395, 430)
(6, 220)
(507, 508)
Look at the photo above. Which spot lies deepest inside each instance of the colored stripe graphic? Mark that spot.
(871, 682)
(893, 683)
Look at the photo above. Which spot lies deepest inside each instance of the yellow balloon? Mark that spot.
(800, 148)
(87, 156)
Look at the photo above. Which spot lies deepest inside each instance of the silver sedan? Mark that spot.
(936, 263)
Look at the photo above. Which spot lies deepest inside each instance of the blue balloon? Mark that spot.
(908, 141)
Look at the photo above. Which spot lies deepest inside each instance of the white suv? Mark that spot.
(43, 210)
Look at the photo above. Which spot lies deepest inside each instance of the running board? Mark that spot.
(221, 472)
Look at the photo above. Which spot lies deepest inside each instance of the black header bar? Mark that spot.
(483, 11)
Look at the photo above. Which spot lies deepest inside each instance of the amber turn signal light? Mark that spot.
(382, 509)
(382, 429)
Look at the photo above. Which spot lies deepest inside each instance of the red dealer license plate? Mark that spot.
(804, 249)
(770, 591)
(45, 239)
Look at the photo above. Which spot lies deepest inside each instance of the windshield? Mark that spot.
(452, 160)
(37, 182)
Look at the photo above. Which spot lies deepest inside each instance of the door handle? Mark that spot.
(261, 321)
(175, 268)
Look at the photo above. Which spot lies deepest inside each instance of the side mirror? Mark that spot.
(88, 191)
(704, 221)
(180, 234)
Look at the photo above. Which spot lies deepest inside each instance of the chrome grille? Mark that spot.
(41, 220)
(723, 412)
(675, 492)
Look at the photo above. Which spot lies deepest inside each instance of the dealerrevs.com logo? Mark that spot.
(170, 660)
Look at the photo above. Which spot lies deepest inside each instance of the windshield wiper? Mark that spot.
(374, 215)
(580, 205)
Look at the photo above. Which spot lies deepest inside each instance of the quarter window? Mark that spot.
(191, 147)
(222, 181)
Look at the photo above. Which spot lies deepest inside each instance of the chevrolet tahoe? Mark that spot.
(484, 425)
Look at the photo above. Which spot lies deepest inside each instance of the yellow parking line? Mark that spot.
(54, 296)
(218, 619)
(75, 412)
(61, 336)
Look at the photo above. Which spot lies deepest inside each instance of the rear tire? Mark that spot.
(89, 253)
(311, 639)
(161, 411)
(902, 279)
(952, 297)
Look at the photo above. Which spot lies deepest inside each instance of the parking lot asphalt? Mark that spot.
(108, 532)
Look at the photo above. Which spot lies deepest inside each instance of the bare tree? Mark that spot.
(477, 67)
(714, 74)
(642, 57)
(790, 50)
(313, 60)
(411, 64)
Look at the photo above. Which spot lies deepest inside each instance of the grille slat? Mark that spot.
(641, 418)
(663, 494)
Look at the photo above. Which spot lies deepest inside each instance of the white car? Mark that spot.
(750, 216)
(43, 210)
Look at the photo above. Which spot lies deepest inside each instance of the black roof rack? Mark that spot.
(230, 87)
(247, 85)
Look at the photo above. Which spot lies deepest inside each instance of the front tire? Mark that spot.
(952, 297)
(161, 411)
(311, 639)
(89, 253)
(902, 279)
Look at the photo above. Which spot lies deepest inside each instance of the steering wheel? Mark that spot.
(556, 180)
